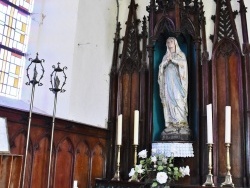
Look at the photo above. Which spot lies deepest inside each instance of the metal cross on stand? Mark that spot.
(35, 80)
(55, 88)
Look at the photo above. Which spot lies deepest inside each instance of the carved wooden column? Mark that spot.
(246, 65)
(144, 128)
(206, 97)
(150, 49)
(113, 86)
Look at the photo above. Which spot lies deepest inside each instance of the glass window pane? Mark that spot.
(13, 91)
(14, 30)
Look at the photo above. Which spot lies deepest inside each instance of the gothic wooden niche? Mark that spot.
(133, 79)
(184, 20)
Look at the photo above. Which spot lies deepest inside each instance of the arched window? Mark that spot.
(14, 31)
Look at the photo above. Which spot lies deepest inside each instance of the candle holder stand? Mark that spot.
(228, 179)
(133, 179)
(55, 88)
(36, 80)
(135, 154)
(209, 180)
(117, 176)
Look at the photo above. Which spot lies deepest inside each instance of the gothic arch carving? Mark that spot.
(187, 26)
(225, 47)
(165, 23)
(13, 138)
(39, 139)
(129, 66)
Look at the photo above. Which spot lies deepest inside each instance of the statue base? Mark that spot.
(175, 137)
(172, 133)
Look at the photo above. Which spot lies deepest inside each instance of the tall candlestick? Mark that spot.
(119, 130)
(209, 124)
(136, 127)
(228, 125)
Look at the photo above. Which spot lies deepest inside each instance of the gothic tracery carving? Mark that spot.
(225, 29)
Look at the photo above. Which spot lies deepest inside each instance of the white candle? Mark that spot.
(228, 125)
(119, 130)
(136, 127)
(209, 124)
(75, 184)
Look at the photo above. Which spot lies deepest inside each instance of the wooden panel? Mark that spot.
(228, 92)
(98, 157)
(6, 165)
(126, 112)
(10, 171)
(41, 162)
(15, 179)
(82, 165)
(64, 163)
(237, 154)
(221, 87)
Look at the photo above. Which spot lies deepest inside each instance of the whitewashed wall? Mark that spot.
(79, 34)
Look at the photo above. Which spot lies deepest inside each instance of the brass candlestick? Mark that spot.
(117, 173)
(228, 179)
(135, 155)
(209, 181)
(135, 162)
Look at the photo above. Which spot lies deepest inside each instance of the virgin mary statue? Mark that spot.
(173, 84)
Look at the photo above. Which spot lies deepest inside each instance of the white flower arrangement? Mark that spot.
(162, 167)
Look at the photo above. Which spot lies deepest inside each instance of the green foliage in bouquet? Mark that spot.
(158, 169)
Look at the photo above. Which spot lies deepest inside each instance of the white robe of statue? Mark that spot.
(173, 84)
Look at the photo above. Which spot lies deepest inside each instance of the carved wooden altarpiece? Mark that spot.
(222, 81)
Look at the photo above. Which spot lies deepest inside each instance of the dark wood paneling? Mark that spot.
(75, 145)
